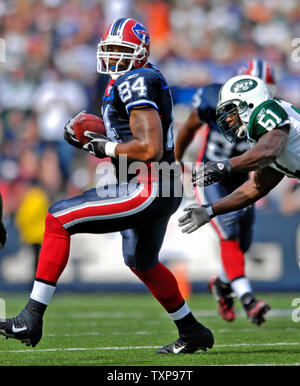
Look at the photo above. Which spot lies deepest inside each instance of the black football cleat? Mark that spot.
(257, 311)
(26, 327)
(201, 339)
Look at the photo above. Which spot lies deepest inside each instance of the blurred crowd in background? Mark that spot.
(48, 75)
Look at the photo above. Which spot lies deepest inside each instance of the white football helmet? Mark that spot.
(238, 97)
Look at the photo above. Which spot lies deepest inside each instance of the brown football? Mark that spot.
(88, 122)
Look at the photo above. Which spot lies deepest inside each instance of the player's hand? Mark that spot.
(211, 172)
(196, 216)
(2, 235)
(69, 134)
(97, 144)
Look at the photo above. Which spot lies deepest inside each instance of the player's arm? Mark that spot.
(147, 142)
(263, 181)
(269, 147)
(186, 134)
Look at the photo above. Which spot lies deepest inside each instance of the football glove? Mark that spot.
(69, 134)
(196, 216)
(2, 235)
(99, 145)
(211, 172)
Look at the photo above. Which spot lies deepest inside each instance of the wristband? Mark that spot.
(209, 210)
(110, 149)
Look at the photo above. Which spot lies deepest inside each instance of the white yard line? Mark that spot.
(261, 364)
(143, 347)
(139, 315)
(95, 333)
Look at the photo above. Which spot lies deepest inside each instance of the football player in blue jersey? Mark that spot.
(137, 111)
(235, 229)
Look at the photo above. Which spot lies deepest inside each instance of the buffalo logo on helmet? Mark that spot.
(141, 33)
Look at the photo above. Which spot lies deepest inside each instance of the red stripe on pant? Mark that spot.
(106, 208)
(56, 243)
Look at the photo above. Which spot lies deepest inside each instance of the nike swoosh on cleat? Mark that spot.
(177, 350)
(18, 329)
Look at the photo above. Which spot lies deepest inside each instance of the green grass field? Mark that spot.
(127, 329)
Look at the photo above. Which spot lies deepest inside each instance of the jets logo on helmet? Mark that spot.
(243, 85)
(125, 45)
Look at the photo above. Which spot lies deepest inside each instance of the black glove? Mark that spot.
(196, 216)
(69, 134)
(211, 172)
(97, 144)
(2, 235)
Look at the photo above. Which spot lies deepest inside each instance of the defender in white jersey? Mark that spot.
(273, 114)
(245, 107)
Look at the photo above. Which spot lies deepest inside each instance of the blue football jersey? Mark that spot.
(143, 87)
(216, 146)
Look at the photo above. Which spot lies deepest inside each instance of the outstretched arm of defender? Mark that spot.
(269, 147)
(262, 182)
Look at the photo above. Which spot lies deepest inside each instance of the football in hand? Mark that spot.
(87, 122)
